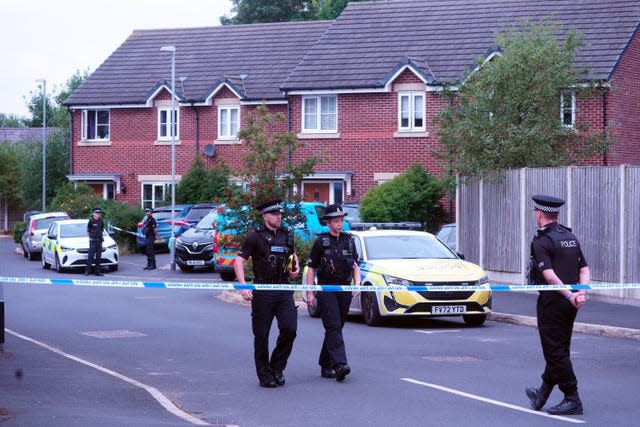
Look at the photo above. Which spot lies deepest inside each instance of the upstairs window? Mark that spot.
(228, 122)
(164, 125)
(568, 108)
(411, 116)
(320, 114)
(95, 125)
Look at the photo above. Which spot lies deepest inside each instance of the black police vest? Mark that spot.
(565, 255)
(95, 228)
(336, 265)
(149, 225)
(273, 266)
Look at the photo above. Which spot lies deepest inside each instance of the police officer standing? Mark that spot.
(95, 228)
(271, 250)
(334, 258)
(149, 230)
(556, 259)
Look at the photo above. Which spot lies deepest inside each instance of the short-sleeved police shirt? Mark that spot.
(559, 249)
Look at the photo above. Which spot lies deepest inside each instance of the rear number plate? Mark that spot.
(448, 309)
(229, 252)
(195, 262)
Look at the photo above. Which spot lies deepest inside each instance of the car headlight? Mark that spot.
(483, 281)
(66, 248)
(112, 247)
(396, 281)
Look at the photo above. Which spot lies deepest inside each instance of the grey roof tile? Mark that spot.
(266, 53)
(369, 38)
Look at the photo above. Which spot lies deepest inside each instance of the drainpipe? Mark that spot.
(197, 128)
(605, 160)
(70, 141)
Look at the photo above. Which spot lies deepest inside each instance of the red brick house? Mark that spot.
(364, 88)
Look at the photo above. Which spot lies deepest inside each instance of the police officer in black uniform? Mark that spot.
(556, 258)
(95, 228)
(334, 258)
(149, 230)
(271, 250)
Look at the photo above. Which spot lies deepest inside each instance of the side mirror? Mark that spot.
(52, 237)
(460, 255)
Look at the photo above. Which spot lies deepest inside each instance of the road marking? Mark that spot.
(154, 392)
(436, 332)
(494, 402)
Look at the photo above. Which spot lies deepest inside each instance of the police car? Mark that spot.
(66, 246)
(415, 258)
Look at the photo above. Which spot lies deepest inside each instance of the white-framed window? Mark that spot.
(320, 113)
(95, 125)
(568, 108)
(153, 193)
(411, 112)
(228, 121)
(164, 125)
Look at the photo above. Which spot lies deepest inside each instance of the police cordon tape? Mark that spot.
(301, 287)
(113, 227)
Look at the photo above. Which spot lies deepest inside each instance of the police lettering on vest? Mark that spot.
(273, 266)
(337, 260)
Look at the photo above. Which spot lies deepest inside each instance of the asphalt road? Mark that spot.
(78, 356)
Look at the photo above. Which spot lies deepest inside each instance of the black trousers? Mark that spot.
(264, 307)
(555, 326)
(150, 250)
(334, 307)
(95, 253)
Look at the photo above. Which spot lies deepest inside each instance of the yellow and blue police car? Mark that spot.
(66, 246)
(416, 258)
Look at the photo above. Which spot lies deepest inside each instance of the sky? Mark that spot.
(52, 39)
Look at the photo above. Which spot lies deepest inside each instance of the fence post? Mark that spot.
(623, 230)
(524, 253)
(481, 224)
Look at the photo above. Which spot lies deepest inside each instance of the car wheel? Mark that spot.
(370, 310)
(45, 264)
(24, 251)
(59, 267)
(185, 267)
(113, 267)
(474, 319)
(228, 277)
(31, 255)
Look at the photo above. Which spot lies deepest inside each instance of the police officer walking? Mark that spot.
(149, 230)
(556, 258)
(334, 258)
(271, 250)
(95, 228)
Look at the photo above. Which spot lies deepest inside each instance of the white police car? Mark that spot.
(66, 246)
(415, 258)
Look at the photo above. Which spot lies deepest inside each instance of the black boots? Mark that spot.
(539, 396)
(151, 265)
(570, 405)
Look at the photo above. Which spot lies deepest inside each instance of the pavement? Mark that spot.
(596, 317)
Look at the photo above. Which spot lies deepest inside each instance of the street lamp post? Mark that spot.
(172, 115)
(44, 143)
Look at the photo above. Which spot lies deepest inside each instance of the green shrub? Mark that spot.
(17, 231)
(414, 195)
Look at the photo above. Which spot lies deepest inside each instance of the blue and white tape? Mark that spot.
(300, 287)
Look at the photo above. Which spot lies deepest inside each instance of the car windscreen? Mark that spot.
(405, 247)
(196, 214)
(164, 215)
(208, 221)
(44, 223)
(73, 230)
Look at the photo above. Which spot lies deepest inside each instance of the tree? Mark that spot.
(199, 185)
(57, 114)
(255, 11)
(268, 176)
(414, 195)
(9, 173)
(506, 112)
(12, 121)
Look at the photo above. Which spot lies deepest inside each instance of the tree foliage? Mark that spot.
(268, 170)
(414, 195)
(506, 113)
(57, 114)
(256, 11)
(12, 121)
(199, 185)
(9, 173)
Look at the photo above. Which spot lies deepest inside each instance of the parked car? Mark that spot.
(226, 243)
(353, 212)
(66, 246)
(195, 214)
(447, 235)
(37, 227)
(163, 216)
(415, 258)
(194, 247)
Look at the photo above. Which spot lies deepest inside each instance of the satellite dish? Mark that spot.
(209, 150)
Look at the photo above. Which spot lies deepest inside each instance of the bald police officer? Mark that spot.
(270, 248)
(556, 258)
